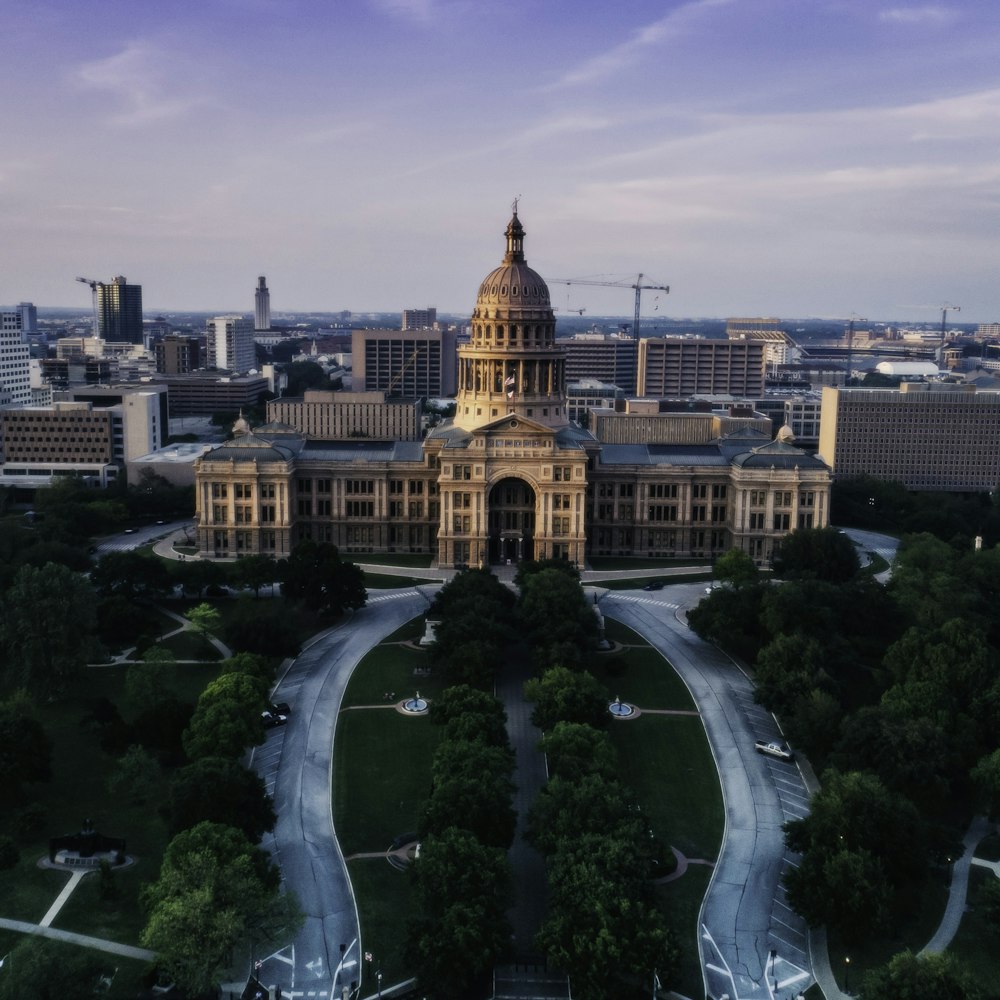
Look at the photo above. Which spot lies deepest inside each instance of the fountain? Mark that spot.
(621, 709)
(415, 705)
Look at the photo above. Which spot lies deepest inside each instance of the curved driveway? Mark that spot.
(296, 764)
(752, 944)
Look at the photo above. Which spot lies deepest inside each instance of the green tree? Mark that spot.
(315, 574)
(816, 553)
(44, 970)
(150, 682)
(463, 892)
(136, 776)
(731, 618)
(47, 623)
(986, 777)
(304, 375)
(255, 571)
(25, 749)
(212, 888)
(562, 695)
(557, 618)
(227, 718)
(467, 713)
(205, 620)
(574, 749)
(219, 790)
(196, 576)
(261, 627)
(921, 977)
(736, 568)
(131, 575)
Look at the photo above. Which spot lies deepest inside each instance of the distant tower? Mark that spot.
(29, 317)
(119, 311)
(230, 343)
(262, 306)
(15, 378)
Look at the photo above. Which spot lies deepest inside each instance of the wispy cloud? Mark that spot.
(674, 25)
(924, 14)
(420, 11)
(138, 78)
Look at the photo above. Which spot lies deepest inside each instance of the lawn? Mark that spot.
(389, 581)
(680, 903)
(421, 559)
(598, 563)
(637, 583)
(642, 677)
(389, 668)
(977, 940)
(189, 645)
(381, 776)
(616, 631)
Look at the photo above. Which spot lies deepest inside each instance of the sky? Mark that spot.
(790, 158)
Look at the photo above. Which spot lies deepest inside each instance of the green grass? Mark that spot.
(422, 559)
(616, 631)
(667, 761)
(389, 668)
(989, 848)
(189, 646)
(680, 903)
(615, 562)
(385, 906)
(643, 677)
(638, 582)
(387, 581)
(412, 631)
(381, 780)
(116, 920)
(978, 939)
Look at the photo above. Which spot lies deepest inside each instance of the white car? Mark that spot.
(774, 748)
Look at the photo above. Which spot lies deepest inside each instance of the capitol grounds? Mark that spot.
(665, 758)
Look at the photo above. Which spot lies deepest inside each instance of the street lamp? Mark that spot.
(378, 980)
(847, 973)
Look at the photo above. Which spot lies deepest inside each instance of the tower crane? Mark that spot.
(94, 285)
(397, 378)
(637, 285)
(945, 308)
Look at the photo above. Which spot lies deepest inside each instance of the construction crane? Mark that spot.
(409, 361)
(637, 285)
(94, 285)
(944, 320)
(850, 344)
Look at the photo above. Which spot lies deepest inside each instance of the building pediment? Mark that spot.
(514, 427)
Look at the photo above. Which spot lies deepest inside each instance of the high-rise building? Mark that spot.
(927, 436)
(607, 357)
(176, 354)
(262, 305)
(15, 361)
(119, 311)
(419, 319)
(779, 347)
(415, 365)
(230, 343)
(678, 367)
(29, 317)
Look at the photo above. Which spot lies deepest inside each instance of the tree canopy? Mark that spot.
(315, 574)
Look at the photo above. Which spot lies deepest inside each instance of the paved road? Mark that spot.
(744, 916)
(296, 764)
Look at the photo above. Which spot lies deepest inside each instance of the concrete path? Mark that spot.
(72, 882)
(98, 944)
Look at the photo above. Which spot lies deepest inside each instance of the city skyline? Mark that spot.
(758, 157)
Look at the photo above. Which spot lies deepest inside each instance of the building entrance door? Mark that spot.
(512, 521)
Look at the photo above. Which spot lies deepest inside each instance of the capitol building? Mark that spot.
(510, 477)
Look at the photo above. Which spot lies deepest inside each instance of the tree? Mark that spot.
(25, 749)
(921, 977)
(816, 553)
(220, 790)
(45, 970)
(557, 617)
(214, 885)
(574, 749)
(463, 891)
(205, 620)
(730, 617)
(562, 695)
(467, 713)
(315, 574)
(149, 683)
(986, 777)
(227, 718)
(131, 575)
(261, 627)
(736, 568)
(304, 375)
(197, 575)
(136, 776)
(256, 571)
(47, 621)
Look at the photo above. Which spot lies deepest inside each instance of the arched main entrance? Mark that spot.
(512, 521)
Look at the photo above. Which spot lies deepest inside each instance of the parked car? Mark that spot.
(272, 719)
(281, 708)
(654, 585)
(774, 748)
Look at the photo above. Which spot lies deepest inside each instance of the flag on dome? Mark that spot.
(509, 383)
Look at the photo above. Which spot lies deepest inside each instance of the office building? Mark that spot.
(262, 305)
(419, 319)
(177, 355)
(320, 414)
(230, 344)
(119, 310)
(511, 477)
(584, 395)
(779, 348)
(204, 393)
(927, 436)
(29, 317)
(660, 421)
(679, 367)
(415, 364)
(607, 357)
(15, 360)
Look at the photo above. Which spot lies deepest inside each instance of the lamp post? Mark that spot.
(847, 973)
(378, 980)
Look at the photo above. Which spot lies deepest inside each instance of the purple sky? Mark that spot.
(761, 157)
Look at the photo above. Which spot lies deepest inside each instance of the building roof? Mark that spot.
(249, 447)
(513, 284)
(363, 450)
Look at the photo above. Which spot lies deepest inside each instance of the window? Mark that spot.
(625, 489)
(807, 499)
(718, 513)
(560, 501)
(395, 508)
(560, 525)
(304, 485)
(462, 472)
(219, 491)
(783, 499)
(360, 486)
(699, 491)
(626, 511)
(699, 512)
(416, 487)
(305, 507)
(462, 500)
(781, 522)
(663, 491)
(719, 491)
(461, 523)
(219, 513)
(324, 508)
(267, 514)
(360, 508)
(267, 491)
(757, 522)
(243, 491)
(416, 508)
(323, 485)
(662, 512)
(561, 473)
(806, 520)
(243, 514)
(395, 487)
